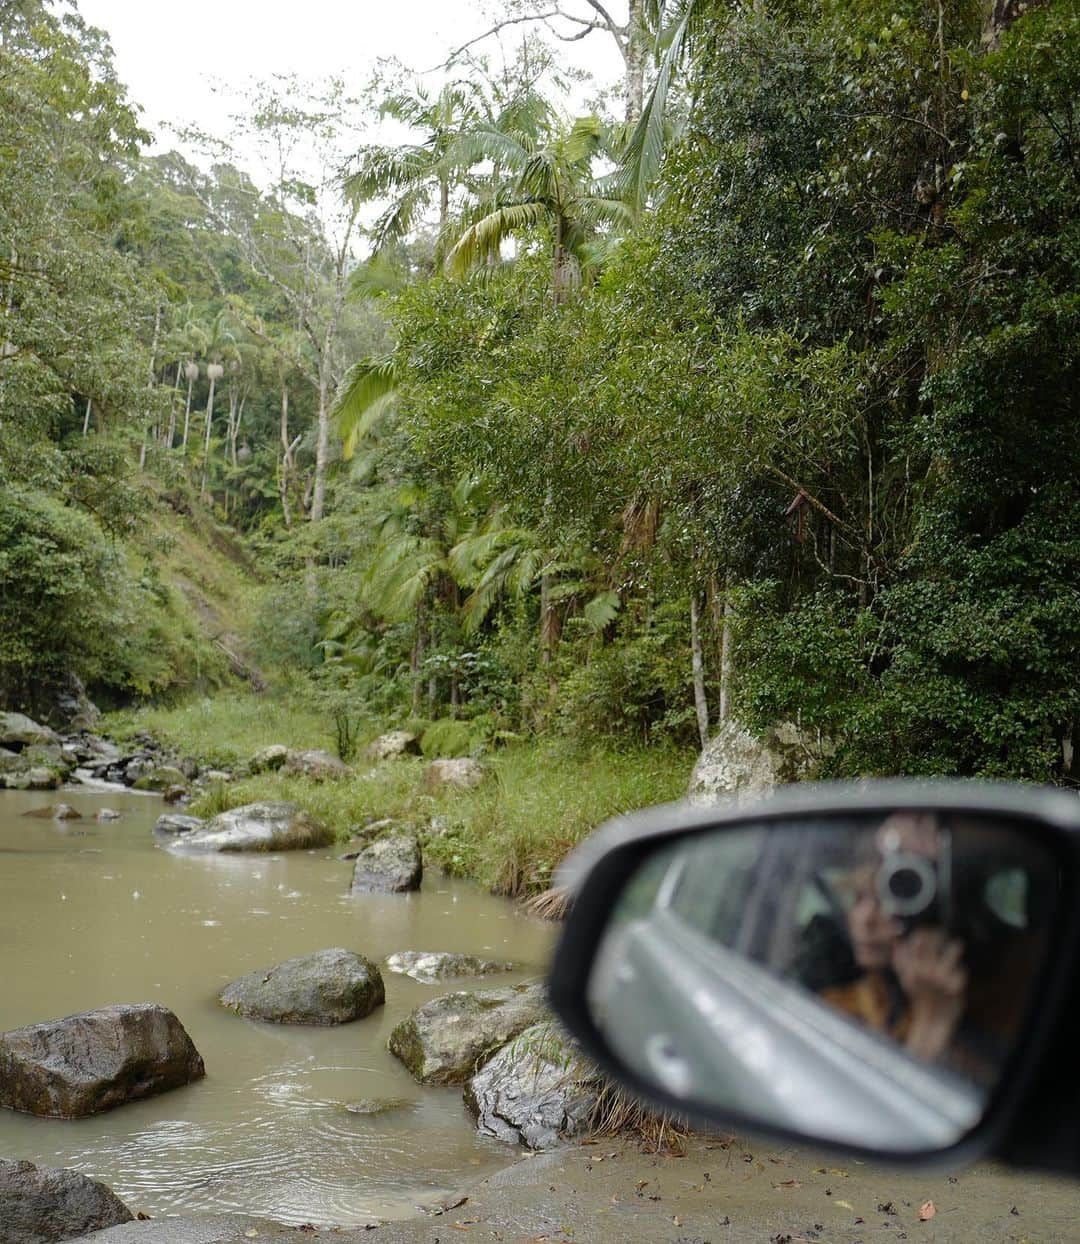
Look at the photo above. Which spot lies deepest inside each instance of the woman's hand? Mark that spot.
(931, 972)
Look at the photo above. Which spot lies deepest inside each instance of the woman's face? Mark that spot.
(873, 932)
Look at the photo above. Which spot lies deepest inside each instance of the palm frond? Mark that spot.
(602, 610)
(365, 395)
(486, 236)
(645, 149)
(380, 170)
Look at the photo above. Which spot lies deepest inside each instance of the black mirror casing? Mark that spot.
(1031, 1116)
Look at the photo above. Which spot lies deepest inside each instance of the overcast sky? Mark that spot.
(168, 52)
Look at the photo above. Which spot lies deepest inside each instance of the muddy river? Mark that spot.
(94, 913)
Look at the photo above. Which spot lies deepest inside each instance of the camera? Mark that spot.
(910, 889)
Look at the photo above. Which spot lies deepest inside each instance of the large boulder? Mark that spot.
(257, 827)
(389, 746)
(267, 759)
(534, 1091)
(317, 765)
(72, 708)
(17, 732)
(736, 762)
(461, 773)
(431, 966)
(86, 1063)
(328, 987)
(39, 1204)
(447, 1039)
(390, 865)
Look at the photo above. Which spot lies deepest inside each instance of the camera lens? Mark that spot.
(907, 884)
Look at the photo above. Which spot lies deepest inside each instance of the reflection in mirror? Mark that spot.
(856, 979)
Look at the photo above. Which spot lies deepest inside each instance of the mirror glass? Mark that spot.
(861, 980)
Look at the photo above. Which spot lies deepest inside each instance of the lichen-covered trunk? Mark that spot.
(634, 59)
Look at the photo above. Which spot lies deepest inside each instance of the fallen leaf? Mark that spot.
(845, 1205)
(676, 1221)
(788, 1183)
(252, 1232)
(141, 1217)
(1015, 1212)
(641, 1183)
(886, 1207)
(926, 1211)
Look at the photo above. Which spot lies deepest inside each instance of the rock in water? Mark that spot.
(257, 827)
(317, 765)
(328, 987)
(737, 762)
(534, 1091)
(86, 1063)
(447, 1039)
(430, 966)
(177, 823)
(389, 866)
(462, 773)
(396, 743)
(39, 1204)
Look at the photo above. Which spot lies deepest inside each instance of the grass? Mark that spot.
(228, 728)
(539, 801)
(509, 834)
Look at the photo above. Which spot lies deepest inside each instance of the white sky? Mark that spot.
(169, 51)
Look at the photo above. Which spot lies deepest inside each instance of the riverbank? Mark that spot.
(714, 1191)
(538, 800)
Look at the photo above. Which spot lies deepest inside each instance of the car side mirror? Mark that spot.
(875, 966)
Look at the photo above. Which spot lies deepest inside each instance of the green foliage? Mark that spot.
(448, 738)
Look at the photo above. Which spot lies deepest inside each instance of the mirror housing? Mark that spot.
(894, 1125)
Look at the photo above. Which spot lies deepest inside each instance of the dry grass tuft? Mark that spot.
(552, 904)
(617, 1112)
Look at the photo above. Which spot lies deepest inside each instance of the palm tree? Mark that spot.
(413, 175)
(549, 184)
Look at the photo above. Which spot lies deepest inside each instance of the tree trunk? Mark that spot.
(150, 382)
(171, 435)
(187, 413)
(416, 657)
(722, 619)
(322, 453)
(634, 58)
(286, 458)
(86, 417)
(697, 662)
(209, 425)
(557, 261)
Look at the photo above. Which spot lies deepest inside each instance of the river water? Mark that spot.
(92, 914)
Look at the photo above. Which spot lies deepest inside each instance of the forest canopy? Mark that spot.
(750, 394)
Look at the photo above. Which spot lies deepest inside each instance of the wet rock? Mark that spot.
(535, 1091)
(177, 823)
(107, 814)
(18, 731)
(86, 1063)
(447, 1039)
(135, 768)
(461, 773)
(327, 987)
(431, 966)
(379, 1105)
(318, 765)
(189, 767)
(43, 779)
(268, 758)
(161, 777)
(39, 1204)
(389, 866)
(396, 743)
(737, 762)
(257, 827)
(53, 812)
